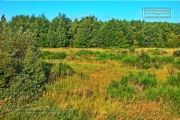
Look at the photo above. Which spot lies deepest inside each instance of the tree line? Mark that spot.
(90, 32)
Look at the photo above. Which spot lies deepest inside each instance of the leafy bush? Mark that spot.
(168, 94)
(7, 69)
(124, 52)
(129, 60)
(165, 59)
(47, 69)
(154, 59)
(52, 55)
(115, 89)
(60, 70)
(143, 60)
(45, 54)
(37, 113)
(131, 84)
(101, 56)
(177, 63)
(174, 80)
(22, 78)
(176, 53)
(131, 49)
(115, 56)
(156, 52)
(24, 88)
(84, 53)
(168, 91)
(57, 55)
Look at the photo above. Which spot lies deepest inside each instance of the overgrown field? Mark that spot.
(141, 83)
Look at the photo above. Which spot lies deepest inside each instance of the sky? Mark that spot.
(103, 10)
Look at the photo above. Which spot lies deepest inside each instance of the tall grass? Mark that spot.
(104, 90)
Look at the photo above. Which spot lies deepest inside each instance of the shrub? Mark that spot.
(168, 94)
(57, 55)
(177, 63)
(143, 60)
(174, 80)
(101, 56)
(115, 56)
(60, 70)
(131, 84)
(124, 52)
(129, 60)
(168, 91)
(126, 46)
(39, 113)
(52, 55)
(131, 49)
(115, 89)
(7, 69)
(176, 53)
(44, 54)
(47, 69)
(165, 59)
(96, 53)
(27, 85)
(84, 53)
(154, 59)
(156, 52)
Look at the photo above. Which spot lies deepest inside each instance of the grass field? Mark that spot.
(83, 95)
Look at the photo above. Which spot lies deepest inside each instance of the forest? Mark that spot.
(89, 32)
(86, 69)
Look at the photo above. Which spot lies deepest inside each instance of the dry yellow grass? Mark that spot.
(68, 50)
(88, 94)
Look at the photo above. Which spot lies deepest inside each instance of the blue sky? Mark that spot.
(103, 10)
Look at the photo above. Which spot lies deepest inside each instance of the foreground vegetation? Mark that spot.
(121, 82)
(105, 84)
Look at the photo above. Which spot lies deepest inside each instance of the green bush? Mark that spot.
(22, 77)
(101, 56)
(154, 59)
(39, 113)
(57, 55)
(44, 54)
(177, 63)
(176, 53)
(168, 94)
(174, 80)
(143, 60)
(124, 52)
(168, 91)
(47, 69)
(7, 69)
(96, 53)
(115, 56)
(132, 84)
(131, 49)
(84, 53)
(165, 59)
(115, 89)
(156, 52)
(60, 70)
(52, 55)
(129, 60)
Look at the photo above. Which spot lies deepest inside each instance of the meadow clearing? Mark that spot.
(141, 83)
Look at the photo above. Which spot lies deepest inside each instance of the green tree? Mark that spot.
(21, 74)
(87, 32)
(58, 33)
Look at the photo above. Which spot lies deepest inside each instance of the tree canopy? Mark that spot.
(90, 32)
